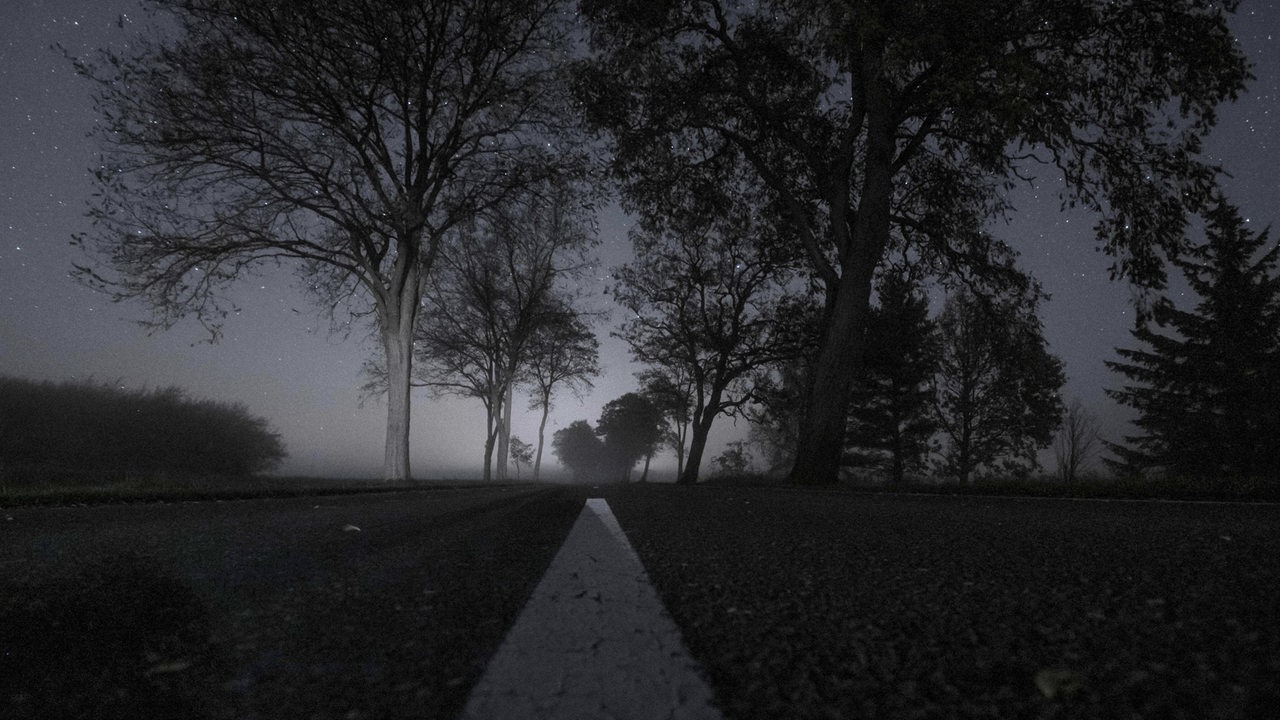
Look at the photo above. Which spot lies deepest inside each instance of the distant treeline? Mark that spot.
(91, 432)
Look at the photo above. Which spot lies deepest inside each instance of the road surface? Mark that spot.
(804, 604)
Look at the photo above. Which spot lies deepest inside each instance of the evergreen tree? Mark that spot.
(1206, 382)
(891, 419)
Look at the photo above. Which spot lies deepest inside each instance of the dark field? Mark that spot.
(797, 603)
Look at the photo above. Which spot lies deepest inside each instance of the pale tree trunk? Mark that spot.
(504, 435)
(397, 346)
(489, 436)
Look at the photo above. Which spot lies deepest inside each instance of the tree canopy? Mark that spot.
(347, 138)
(632, 429)
(881, 124)
(708, 301)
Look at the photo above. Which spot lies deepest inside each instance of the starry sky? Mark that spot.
(278, 356)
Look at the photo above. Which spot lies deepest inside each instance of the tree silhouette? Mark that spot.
(1206, 381)
(996, 388)
(501, 282)
(347, 138)
(891, 419)
(876, 126)
(632, 429)
(670, 389)
(580, 450)
(708, 301)
(1076, 442)
(521, 454)
(562, 354)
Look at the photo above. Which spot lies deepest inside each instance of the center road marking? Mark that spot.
(594, 641)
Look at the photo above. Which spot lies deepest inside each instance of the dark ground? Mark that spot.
(266, 609)
(799, 604)
(829, 605)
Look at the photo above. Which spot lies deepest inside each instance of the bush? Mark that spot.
(85, 432)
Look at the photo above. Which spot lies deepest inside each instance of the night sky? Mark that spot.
(279, 359)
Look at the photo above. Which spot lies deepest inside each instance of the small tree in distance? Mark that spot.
(670, 389)
(580, 450)
(521, 454)
(1076, 442)
(709, 304)
(996, 387)
(563, 354)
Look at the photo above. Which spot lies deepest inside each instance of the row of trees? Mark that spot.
(501, 316)
(979, 376)
(630, 428)
(973, 390)
(356, 138)
(95, 432)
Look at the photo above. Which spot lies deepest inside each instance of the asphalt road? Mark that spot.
(267, 609)
(828, 605)
(798, 604)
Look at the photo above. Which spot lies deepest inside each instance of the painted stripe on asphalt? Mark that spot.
(594, 641)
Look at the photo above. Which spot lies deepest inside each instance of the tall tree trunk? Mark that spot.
(397, 346)
(682, 432)
(490, 436)
(542, 429)
(504, 435)
(822, 431)
(862, 242)
(703, 417)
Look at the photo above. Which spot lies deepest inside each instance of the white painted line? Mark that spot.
(594, 641)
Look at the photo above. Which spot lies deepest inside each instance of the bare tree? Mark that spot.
(709, 302)
(562, 354)
(346, 137)
(670, 389)
(1076, 442)
(499, 287)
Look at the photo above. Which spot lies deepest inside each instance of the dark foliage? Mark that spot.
(579, 449)
(1206, 381)
(891, 418)
(632, 429)
(882, 125)
(94, 432)
(708, 304)
(996, 388)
